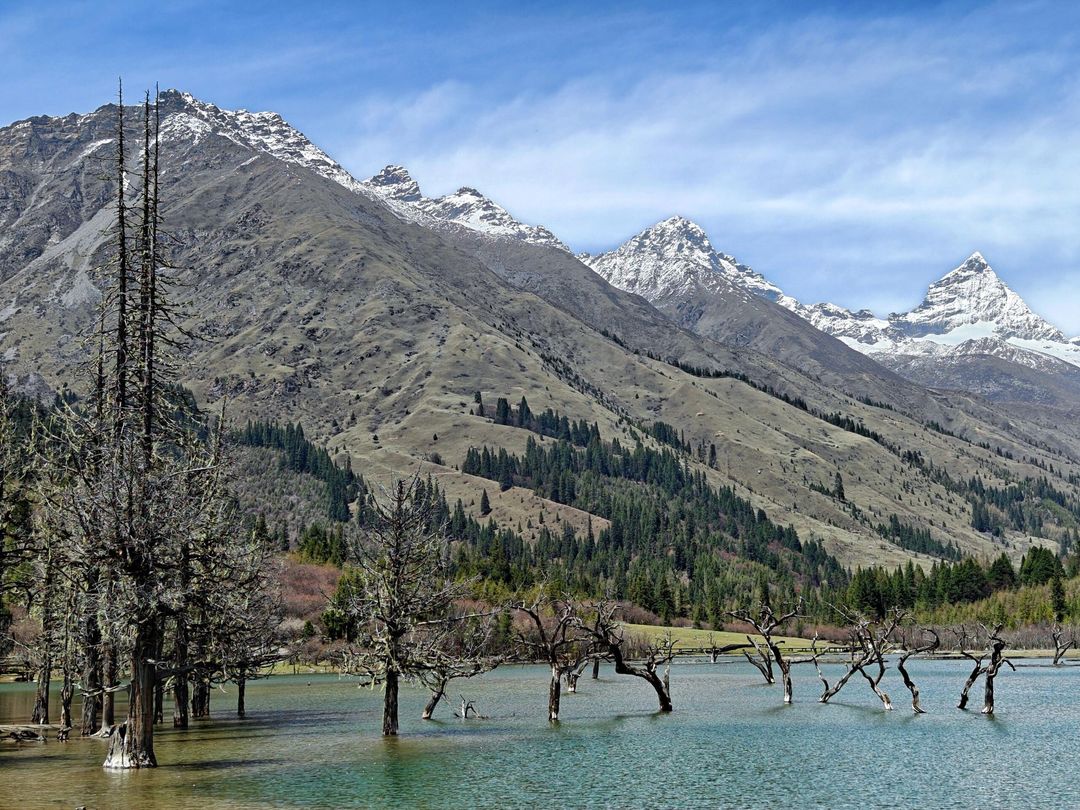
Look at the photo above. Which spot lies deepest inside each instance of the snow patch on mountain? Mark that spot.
(465, 207)
(265, 132)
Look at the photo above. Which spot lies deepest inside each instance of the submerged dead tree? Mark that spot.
(765, 623)
(911, 652)
(870, 643)
(556, 638)
(609, 640)
(133, 483)
(994, 650)
(401, 600)
(466, 653)
(997, 658)
(1062, 644)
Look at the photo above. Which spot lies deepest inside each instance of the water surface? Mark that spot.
(313, 742)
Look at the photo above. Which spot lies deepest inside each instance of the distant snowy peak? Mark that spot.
(266, 132)
(395, 183)
(672, 259)
(466, 207)
(974, 294)
(968, 311)
(862, 327)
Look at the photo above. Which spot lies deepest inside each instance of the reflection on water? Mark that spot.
(312, 742)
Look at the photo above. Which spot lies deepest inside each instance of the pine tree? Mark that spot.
(1057, 599)
(485, 504)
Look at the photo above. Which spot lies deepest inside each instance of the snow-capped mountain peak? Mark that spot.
(671, 259)
(267, 132)
(186, 117)
(974, 295)
(396, 182)
(465, 207)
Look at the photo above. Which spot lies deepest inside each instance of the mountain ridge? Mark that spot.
(969, 311)
(327, 306)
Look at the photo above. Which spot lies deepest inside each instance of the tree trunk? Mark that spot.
(663, 692)
(159, 702)
(785, 667)
(180, 702)
(996, 660)
(108, 699)
(41, 698)
(91, 674)
(785, 670)
(595, 668)
(132, 745)
(436, 695)
(241, 683)
(988, 694)
(554, 692)
(571, 682)
(829, 693)
(875, 684)
(200, 698)
(974, 676)
(764, 666)
(66, 692)
(390, 704)
(910, 684)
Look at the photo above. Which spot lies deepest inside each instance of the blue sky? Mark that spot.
(851, 156)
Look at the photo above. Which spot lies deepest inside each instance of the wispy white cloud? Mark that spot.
(841, 158)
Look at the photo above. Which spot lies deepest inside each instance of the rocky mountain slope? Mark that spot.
(321, 302)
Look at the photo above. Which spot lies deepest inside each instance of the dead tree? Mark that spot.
(910, 653)
(765, 623)
(761, 660)
(977, 668)
(572, 671)
(466, 653)
(401, 601)
(608, 638)
(133, 483)
(994, 649)
(868, 647)
(557, 638)
(1062, 644)
(997, 658)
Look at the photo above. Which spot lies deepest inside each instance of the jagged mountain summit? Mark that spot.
(970, 311)
(466, 207)
(967, 315)
(674, 258)
(267, 132)
(186, 117)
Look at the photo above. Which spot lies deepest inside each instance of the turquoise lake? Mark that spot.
(312, 742)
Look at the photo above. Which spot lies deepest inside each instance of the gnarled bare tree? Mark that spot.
(912, 651)
(609, 641)
(1062, 643)
(133, 486)
(466, 653)
(765, 623)
(402, 604)
(870, 642)
(557, 638)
